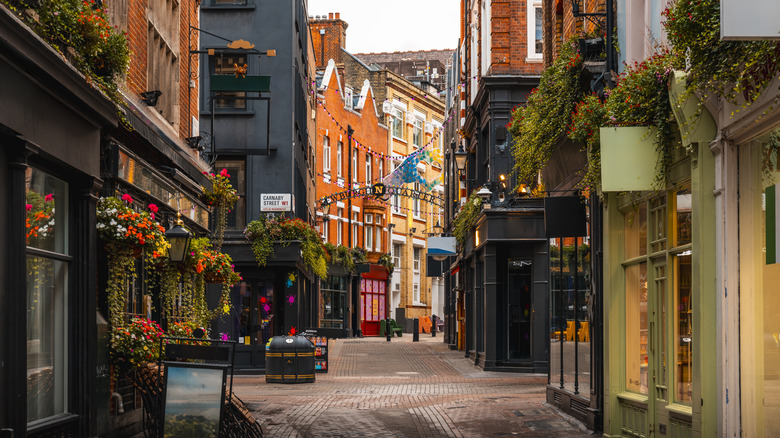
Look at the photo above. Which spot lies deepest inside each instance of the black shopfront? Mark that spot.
(50, 132)
(504, 289)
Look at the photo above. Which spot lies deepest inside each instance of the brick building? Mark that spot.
(425, 67)
(351, 221)
(412, 117)
(497, 292)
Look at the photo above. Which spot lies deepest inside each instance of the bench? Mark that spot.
(394, 328)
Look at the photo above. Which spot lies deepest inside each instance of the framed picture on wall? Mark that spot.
(194, 395)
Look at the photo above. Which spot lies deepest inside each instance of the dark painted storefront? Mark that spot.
(265, 146)
(504, 290)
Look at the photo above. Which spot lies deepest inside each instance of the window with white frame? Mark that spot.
(378, 240)
(416, 290)
(416, 259)
(398, 123)
(368, 168)
(368, 237)
(535, 33)
(355, 241)
(325, 154)
(485, 37)
(340, 159)
(417, 136)
(397, 255)
(325, 228)
(416, 201)
(339, 227)
(381, 168)
(348, 102)
(354, 165)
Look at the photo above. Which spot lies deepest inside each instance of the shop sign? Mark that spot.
(272, 202)
(750, 19)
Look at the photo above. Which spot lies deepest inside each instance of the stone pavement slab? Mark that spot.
(401, 388)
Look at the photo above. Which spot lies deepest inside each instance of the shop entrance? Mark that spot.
(519, 299)
(252, 320)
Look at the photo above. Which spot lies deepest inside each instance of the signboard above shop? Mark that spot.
(275, 202)
(750, 19)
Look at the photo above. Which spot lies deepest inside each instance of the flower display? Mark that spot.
(137, 341)
(40, 215)
(185, 329)
(118, 223)
(222, 196)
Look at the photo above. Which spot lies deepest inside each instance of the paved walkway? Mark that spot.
(405, 389)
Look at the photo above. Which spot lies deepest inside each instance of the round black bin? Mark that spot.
(289, 359)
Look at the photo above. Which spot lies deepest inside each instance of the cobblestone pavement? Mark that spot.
(376, 388)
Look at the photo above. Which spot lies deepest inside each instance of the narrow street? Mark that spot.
(405, 389)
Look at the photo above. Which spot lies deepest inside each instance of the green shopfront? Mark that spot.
(660, 346)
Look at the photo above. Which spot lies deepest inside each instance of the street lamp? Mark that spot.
(484, 194)
(460, 158)
(179, 239)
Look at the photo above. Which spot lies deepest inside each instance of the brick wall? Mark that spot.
(328, 45)
(560, 24)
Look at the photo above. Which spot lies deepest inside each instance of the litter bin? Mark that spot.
(289, 359)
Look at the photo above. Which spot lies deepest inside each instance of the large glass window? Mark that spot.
(325, 154)
(417, 136)
(636, 328)
(398, 123)
(340, 159)
(334, 302)
(47, 295)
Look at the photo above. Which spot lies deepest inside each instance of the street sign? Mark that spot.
(272, 202)
(240, 83)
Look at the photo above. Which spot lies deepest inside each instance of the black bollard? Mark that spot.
(416, 331)
(433, 326)
(388, 330)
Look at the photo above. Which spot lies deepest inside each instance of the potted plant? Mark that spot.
(136, 342)
(222, 196)
(265, 232)
(126, 233)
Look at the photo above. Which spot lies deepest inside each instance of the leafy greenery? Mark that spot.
(732, 69)
(79, 29)
(136, 342)
(222, 196)
(641, 98)
(386, 260)
(346, 257)
(467, 217)
(264, 232)
(537, 127)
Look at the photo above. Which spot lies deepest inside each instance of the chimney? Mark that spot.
(328, 37)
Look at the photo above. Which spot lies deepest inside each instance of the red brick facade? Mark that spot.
(560, 23)
(328, 45)
(136, 25)
(333, 117)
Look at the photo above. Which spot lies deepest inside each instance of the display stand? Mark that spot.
(320, 351)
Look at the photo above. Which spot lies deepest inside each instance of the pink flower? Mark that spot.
(224, 173)
(28, 207)
(127, 198)
(49, 197)
(153, 208)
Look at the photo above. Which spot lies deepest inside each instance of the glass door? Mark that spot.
(252, 321)
(519, 300)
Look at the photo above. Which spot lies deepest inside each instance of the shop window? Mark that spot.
(47, 316)
(236, 218)
(683, 334)
(334, 302)
(636, 328)
(636, 232)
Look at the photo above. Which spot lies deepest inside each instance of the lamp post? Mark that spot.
(460, 158)
(179, 239)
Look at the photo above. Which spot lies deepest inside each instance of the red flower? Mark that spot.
(153, 208)
(127, 198)
(49, 197)
(224, 173)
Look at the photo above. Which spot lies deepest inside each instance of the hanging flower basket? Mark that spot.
(629, 158)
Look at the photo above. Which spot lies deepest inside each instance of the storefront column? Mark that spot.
(492, 319)
(705, 370)
(13, 373)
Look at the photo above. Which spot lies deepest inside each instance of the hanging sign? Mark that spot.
(270, 202)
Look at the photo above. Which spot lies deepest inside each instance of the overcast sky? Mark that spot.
(395, 25)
